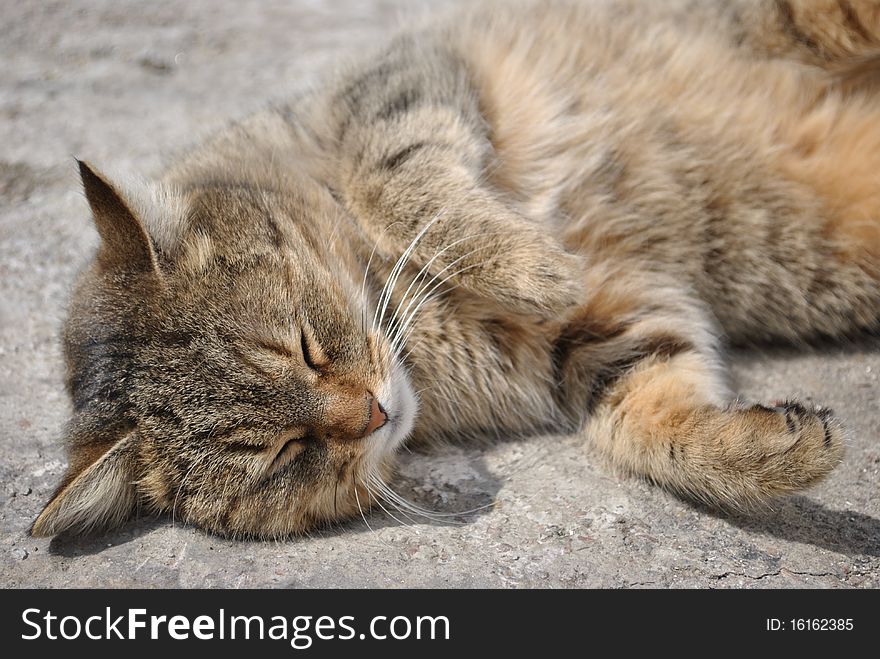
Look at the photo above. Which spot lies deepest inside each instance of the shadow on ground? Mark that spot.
(803, 520)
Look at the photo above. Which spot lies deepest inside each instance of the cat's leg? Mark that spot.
(639, 368)
(413, 149)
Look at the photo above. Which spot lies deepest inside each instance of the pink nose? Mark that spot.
(377, 417)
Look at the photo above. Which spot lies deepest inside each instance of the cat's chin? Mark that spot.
(401, 405)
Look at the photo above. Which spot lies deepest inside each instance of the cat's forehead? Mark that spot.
(248, 253)
(241, 219)
(227, 224)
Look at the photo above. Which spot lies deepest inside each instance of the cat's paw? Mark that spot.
(536, 277)
(793, 446)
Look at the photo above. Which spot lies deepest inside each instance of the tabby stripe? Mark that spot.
(354, 94)
(244, 447)
(160, 411)
(789, 26)
(175, 338)
(824, 415)
(275, 232)
(851, 17)
(662, 346)
(789, 422)
(396, 159)
(400, 104)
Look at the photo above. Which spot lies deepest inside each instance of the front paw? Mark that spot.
(549, 288)
(792, 445)
(536, 279)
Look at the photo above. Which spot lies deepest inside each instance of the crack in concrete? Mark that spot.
(754, 577)
(758, 577)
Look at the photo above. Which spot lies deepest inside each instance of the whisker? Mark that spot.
(421, 513)
(374, 477)
(433, 389)
(395, 340)
(424, 286)
(453, 263)
(387, 512)
(423, 271)
(386, 490)
(361, 510)
(364, 315)
(401, 503)
(391, 282)
(458, 513)
(409, 327)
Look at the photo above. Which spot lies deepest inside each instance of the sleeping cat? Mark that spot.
(522, 218)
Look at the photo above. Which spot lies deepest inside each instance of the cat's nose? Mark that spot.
(377, 417)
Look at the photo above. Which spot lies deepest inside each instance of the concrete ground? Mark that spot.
(121, 83)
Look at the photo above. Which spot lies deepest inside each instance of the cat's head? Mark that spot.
(219, 365)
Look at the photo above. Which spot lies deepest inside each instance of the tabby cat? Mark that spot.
(518, 219)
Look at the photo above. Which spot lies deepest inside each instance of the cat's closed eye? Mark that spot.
(272, 454)
(269, 355)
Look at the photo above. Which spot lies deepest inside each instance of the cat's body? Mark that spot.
(586, 196)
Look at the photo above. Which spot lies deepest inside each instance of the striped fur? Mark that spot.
(578, 203)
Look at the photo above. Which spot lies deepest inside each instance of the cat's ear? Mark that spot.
(124, 240)
(101, 495)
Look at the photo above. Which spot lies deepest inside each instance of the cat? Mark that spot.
(521, 218)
